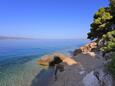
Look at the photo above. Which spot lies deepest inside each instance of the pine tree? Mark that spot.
(109, 42)
(101, 24)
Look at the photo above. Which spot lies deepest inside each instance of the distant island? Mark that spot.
(6, 37)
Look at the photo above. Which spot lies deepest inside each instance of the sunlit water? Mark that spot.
(18, 58)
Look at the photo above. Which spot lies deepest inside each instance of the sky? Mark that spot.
(48, 19)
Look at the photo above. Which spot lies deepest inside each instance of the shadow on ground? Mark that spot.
(43, 78)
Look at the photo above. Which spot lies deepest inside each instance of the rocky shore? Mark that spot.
(84, 68)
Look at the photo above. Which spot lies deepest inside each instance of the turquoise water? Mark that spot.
(18, 58)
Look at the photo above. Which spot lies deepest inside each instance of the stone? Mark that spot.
(85, 49)
(90, 80)
(45, 60)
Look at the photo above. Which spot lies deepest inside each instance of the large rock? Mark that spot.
(77, 51)
(69, 61)
(45, 60)
(104, 77)
(85, 49)
(90, 80)
(98, 78)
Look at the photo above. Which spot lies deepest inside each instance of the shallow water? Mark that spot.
(18, 58)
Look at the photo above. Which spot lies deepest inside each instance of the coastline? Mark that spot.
(88, 65)
(73, 73)
(21, 65)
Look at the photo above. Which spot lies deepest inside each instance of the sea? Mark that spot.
(18, 57)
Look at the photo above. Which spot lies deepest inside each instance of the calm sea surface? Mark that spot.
(18, 58)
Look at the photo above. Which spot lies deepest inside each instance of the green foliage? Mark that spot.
(109, 47)
(110, 36)
(100, 24)
(112, 5)
(111, 66)
(101, 28)
(109, 41)
(103, 31)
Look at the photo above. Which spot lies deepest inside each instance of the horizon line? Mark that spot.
(19, 37)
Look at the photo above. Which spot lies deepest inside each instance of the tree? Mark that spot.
(103, 28)
(109, 39)
(101, 23)
(112, 5)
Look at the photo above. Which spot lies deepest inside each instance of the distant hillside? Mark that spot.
(6, 37)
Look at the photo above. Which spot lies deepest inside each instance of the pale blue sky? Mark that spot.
(52, 19)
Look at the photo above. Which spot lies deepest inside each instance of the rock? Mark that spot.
(85, 49)
(69, 61)
(45, 60)
(105, 79)
(108, 56)
(91, 54)
(77, 51)
(90, 80)
(60, 55)
(93, 45)
(55, 61)
(88, 47)
(98, 78)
